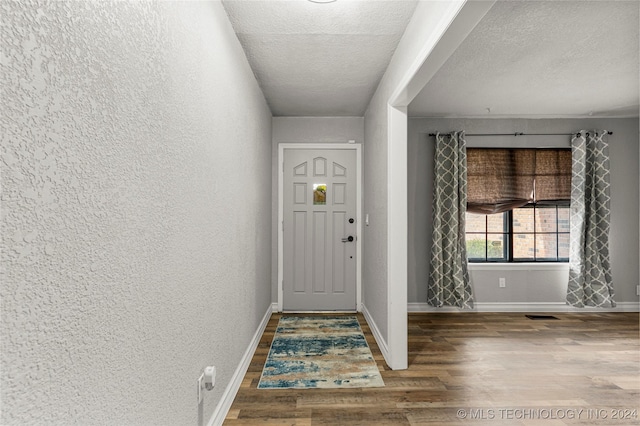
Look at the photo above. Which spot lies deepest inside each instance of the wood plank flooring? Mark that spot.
(474, 368)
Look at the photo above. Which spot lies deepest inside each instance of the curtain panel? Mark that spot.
(590, 281)
(449, 278)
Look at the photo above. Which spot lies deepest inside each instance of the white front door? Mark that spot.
(319, 229)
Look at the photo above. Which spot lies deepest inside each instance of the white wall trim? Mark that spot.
(382, 344)
(558, 307)
(528, 116)
(350, 146)
(551, 266)
(397, 237)
(230, 392)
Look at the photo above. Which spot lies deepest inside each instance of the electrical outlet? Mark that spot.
(638, 290)
(209, 377)
(502, 282)
(200, 386)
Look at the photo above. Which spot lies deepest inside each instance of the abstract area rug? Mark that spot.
(319, 352)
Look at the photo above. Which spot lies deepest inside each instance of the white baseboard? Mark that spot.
(222, 409)
(524, 307)
(382, 344)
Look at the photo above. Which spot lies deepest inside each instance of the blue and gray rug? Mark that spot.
(319, 352)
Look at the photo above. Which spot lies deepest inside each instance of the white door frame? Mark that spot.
(348, 146)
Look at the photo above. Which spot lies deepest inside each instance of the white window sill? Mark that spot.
(516, 266)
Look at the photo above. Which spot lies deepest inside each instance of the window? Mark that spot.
(517, 209)
(319, 194)
(487, 237)
(525, 234)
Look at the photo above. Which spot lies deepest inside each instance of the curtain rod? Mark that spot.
(521, 134)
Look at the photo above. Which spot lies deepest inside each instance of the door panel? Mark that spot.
(319, 201)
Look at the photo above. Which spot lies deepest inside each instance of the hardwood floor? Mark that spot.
(475, 368)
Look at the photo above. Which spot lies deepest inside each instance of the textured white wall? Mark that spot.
(533, 285)
(136, 210)
(304, 130)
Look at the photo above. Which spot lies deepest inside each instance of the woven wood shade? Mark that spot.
(503, 179)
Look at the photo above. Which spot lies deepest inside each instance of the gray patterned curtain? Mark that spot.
(448, 277)
(590, 281)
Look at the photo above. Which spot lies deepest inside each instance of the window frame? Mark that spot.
(505, 237)
(508, 237)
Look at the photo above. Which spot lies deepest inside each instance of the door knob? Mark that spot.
(348, 239)
(351, 220)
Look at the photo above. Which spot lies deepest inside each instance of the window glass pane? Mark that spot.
(546, 246)
(523, 247)
(476, 246)
(495, 222)
(546, 219)
(476, 222)
(523, 220)
(319, 194)
(495, 246)
(563, 246)
(563, 219)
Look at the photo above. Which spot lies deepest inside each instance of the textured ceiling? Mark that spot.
(319, 59)
(541, 59)
(525, 58)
